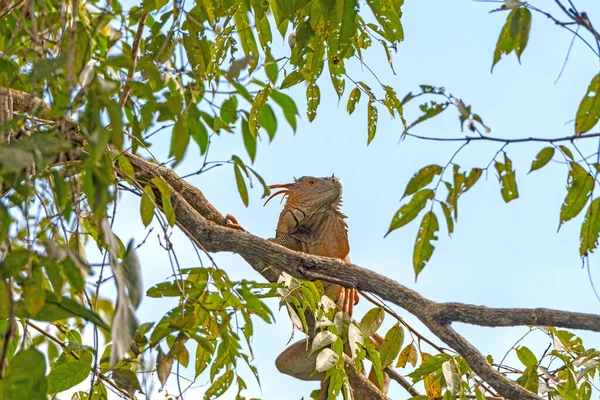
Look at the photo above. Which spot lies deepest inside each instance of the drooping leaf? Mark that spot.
(241, 184)
(313, 98)
(409, 211)
(579, 189)
(423, 245)
(180, 139)
(147, 205)
(249, 140)
(514, 34)
(257, 105)
(372, 121)
(388, 13)
(588, 112)
(506, 176)
(292, 79)
(353, 99)
(590, 229)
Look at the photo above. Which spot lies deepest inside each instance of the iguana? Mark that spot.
(311, 222)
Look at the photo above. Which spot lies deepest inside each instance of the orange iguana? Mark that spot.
(311, 222)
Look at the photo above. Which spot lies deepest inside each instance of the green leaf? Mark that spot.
(66, 375)
(542, 158)
(430, 110)
(390, 348)
(526, 356)
(372, 121)
(348, 25)
(126, 168)
(514, 34)
(409, 211)
(25, 378)
(147, 205)
(287, 106)
(199, 133)
(423, 247)
(588, 112)
(292, 79)
(506, 176)
(371, 321)
(257, 105)
(180, 139)
(530, 379)
(388, 13)
(313, 98)
(267, 120)
(249, 140)
(241, 184)
(353, 100)
(422, 179)
(448, 216)
(590, 229)
(579, 188)
(34, 295)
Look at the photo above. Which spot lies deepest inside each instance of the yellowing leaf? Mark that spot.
(372, 121)
(422, 179)
(390, 348)
(514, 35)
(423, 247)
(542, 158)
(590, 229)
(588, 112)
(371, 321)
(147, 205)
(353, 99)
(579, 188)
(313, 98)
(506, 176)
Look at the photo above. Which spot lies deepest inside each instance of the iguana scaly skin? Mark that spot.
(311, 222)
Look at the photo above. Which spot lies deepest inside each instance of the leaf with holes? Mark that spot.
(259, 102)
(423, 247)
(588, 112)
(313, 98)
(542, 158)
(422, 179)
(590, 229)
(353, 99)
(579, 189)
(372, 121)
(411, 210)
(506, 176)
(388, 13)
(514, 34)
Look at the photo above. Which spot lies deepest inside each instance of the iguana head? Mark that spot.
(309, 200)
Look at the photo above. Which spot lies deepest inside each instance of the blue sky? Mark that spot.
(501, 255)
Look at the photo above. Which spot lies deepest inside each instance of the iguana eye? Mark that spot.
(311, 182)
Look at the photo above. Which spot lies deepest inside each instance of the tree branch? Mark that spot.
(204, 225)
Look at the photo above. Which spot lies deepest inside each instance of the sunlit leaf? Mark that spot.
(506, 176)
(422, 179)
(371, 321)
(590, 229)
(579, 188)
(390, 348)
(542, 158)
(372, 121)
(313, 98)
(411, 210)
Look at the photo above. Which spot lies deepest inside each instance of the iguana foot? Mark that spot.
(349, 298)
(231, 222)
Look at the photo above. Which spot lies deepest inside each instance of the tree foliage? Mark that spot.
(85, 85)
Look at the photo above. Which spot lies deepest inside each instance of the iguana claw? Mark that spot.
(349, 299)
(231, 222)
